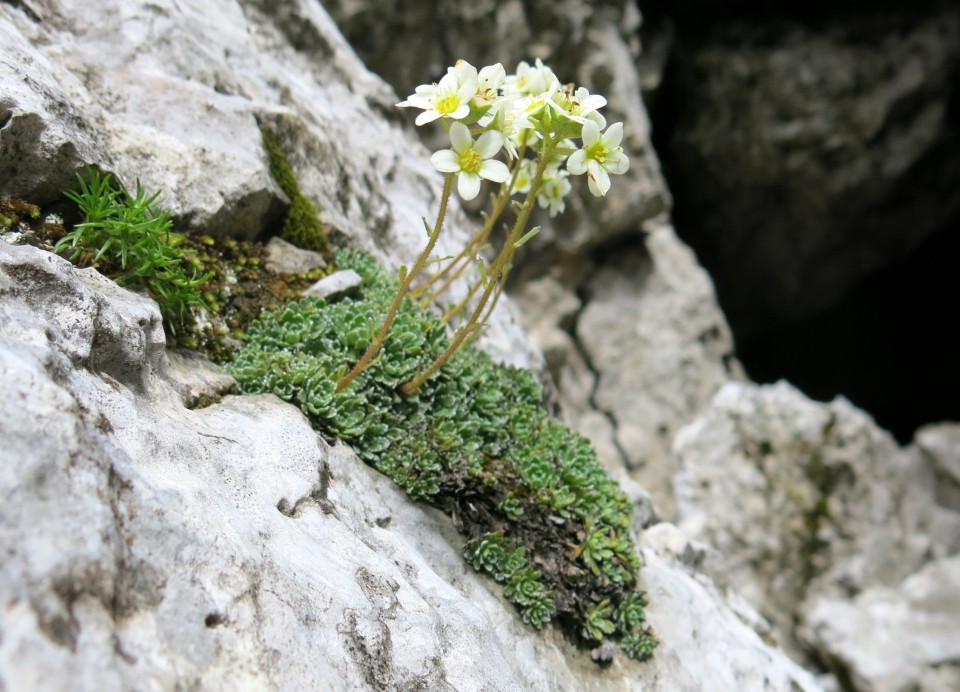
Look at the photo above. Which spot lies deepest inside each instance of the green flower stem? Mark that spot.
(499, 268)
(462, 261)
(402, 289)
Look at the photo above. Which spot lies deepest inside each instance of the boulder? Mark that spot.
(812, 506)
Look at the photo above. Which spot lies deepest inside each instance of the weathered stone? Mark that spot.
(287, 258)
(174, 97)
(742, 663)
(198, 381)
(660, 348)
(150, 545)
(637, 354)
(810, 503)
(895, 638)
(335, 284)
(940, 446)
(592, 44)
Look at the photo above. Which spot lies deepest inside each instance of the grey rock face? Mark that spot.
(158, 531)
(812, 504)
(660, 347)
(173, 96)
(287, 258)
(335, 284)
(893, 638)
(635, 346)
(940, 446)
(806, 156)
(638, 354)
(229, 547)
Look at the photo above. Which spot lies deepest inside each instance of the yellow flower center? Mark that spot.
(470, 161)
(448, 104)
(597, 152)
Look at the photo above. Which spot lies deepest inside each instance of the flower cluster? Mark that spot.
(529, 113)
(536, 121)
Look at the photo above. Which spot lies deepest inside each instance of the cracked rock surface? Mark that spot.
(150, 545)
(827, 527)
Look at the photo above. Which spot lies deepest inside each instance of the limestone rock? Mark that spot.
(811, 504)
(896, 638)
(287, 258)
(592, 44)
(174, 95)
(940, 446)
(335, 284)
(150, 545)
(660, 348)
(747, 663)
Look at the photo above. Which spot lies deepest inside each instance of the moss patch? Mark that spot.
(302, 226)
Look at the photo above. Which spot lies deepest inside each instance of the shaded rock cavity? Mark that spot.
(813, 158)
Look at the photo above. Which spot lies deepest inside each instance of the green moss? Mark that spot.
(540, 514)
(13, 210)
(302, 225)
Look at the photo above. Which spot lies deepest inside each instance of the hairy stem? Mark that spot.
(497, 271)
(402, 289)
(462, 261)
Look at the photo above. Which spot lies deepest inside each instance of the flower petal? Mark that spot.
(448, 83)
(589, 134)
(462, 111)
(496, 171)
(468, 185)
(596, 117)
(488, 144)
(460, 137)
(598, 181)
(427, 117)
(617, 163)
(577, 163)
(613, 135)
(446, 161)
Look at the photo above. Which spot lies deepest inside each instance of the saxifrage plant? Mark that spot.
(540, 514)
(536, 121)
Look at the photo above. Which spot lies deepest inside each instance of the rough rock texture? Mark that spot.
(229, 547)
(627, 319)
(809, 149)
(159, 532)
(172, 94)
(812, 505)
(940, 446)
(895, 638)
(637, 354)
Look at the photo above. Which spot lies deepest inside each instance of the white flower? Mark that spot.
(578, 105)
(472, 160)
(527, 110)
(531, 80)
(528, 168)
(450, 98)
(600, 156)
(489, 81)
(552, 191)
